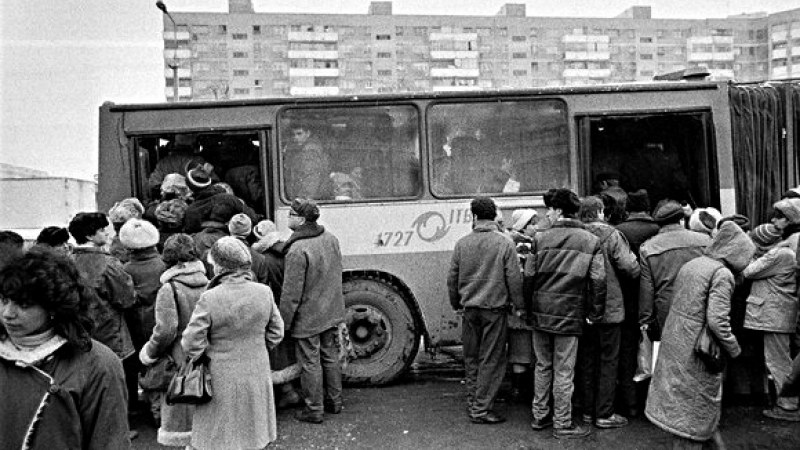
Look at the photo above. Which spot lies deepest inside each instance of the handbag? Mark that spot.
(192, 383)
(157, 376)
(708, 350)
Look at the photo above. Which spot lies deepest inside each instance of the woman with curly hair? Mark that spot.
(59, 386)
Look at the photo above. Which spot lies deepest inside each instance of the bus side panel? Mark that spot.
(115, 173)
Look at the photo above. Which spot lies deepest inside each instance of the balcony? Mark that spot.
(455, 73)
(795, 70)
(710, 56)
(453, 37)
(182, 92)
(313, 72)
(453, 54)
(582, 38)
(312, 36)
(778, 36)
(313, 54)
(183, 72)
(587, 56)
(455, 88)
(170, 35)
(314, 91)
(181, 53)
(779, 53)
(720, 74)
(586, 73)
(780, 72)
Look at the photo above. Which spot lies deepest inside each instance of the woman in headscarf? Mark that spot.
(230, 324)
(685, 396)
(60, 387)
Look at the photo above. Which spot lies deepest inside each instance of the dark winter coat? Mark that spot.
(145, 268)
(306, 169)
(685, 398)
(312, 300)
(638, 228)
(205, 239)
(772, 304)
(619, 262)
(200, 210)
(115, 295)
(565, 279)
(484, 270)
(82, 397)
(273, 257)
(661, 257)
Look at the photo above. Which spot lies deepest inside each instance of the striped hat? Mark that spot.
(765, 235)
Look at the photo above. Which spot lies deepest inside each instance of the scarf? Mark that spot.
(30, 350)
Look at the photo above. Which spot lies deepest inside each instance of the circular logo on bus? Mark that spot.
(431, 226)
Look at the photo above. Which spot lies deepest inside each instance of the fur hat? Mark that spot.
(198, 179)
(638, 201)
(704, 220)
(175, 183)
(230, 253)
(240, 225)
(765, 235)
(222, 211)
(307, 209)
(567, 201)
(125, 209)
(171, 212)
(179, 248)
(667, 212)
(263, 228)
(521, 217)
(53, 236)
(138, 233)
(789, 207)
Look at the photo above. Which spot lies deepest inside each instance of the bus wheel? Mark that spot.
(382, 330)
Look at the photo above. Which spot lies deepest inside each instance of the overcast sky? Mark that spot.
(61, 59)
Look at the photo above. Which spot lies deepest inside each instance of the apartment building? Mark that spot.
(244, 54)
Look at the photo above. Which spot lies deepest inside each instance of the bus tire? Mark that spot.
(383, 331)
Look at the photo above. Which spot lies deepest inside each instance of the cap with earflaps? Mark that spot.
(668, 211)
(138, 233)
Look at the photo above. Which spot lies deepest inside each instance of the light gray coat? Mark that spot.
(772, 304)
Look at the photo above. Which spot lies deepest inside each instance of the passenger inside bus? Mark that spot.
(306, 165)
(181, 154)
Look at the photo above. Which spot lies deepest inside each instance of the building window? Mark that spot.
(257, 83)
(420, 31)
(384, 55)
(518, 38)
(385, 73)
(646, 56)
(519, 55)
(239, 36)
(383, 37)
(645, 40)
(502, 31)
(398, 31)
(240, 54)
(241, 73)
(222, 29)
(241, 91)
(256, 29)
(534, 67)
(519, 73)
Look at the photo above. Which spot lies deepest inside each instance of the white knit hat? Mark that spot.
(138, 233)
(230, 253)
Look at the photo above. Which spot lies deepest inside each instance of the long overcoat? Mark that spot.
(685, 398)
(234, 323)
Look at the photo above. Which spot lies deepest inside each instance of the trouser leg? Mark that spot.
(628, 349)
(130, 366)
(308, 355)
(492, 360)
(331, 370)
(587, 370)
(607, 373)
(471, 339)
(565, 353)
(779, 364)
(543, 374)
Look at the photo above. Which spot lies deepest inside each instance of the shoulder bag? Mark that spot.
(707, 348)
(157, 376)
(192, 383)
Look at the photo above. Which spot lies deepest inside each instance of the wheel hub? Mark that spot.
(369, 330)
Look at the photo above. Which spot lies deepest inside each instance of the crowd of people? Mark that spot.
(575, 299)
(82, 323)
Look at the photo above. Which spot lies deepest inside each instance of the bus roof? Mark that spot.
(555, 90)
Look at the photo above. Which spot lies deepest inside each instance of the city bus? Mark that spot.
(394, 173)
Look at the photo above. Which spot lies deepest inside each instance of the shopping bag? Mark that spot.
(158, 376)
(192, 383)
(708, 350)
(645, 359)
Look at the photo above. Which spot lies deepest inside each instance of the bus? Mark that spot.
(394, 173)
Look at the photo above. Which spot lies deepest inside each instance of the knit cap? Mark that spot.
(521, 217)
(307, 209)
(171, 212)
(125, 209)
(789, 207)
(765, 235)
(668, 211)
(240, 225)
(198, 179)
(263, 228)
(138, 233)
(230, 253)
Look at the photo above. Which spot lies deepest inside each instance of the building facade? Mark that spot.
(244, 54)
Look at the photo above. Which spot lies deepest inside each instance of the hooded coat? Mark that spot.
(685, 398)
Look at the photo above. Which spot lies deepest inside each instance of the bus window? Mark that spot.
(499, 147)
(350, 154)
(233, 157)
